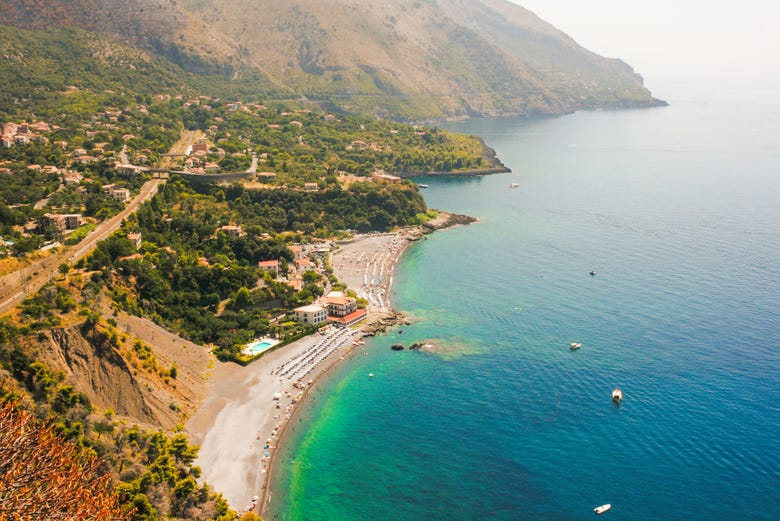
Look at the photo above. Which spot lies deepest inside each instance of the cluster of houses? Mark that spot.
(301, 263)
(196, 161)
(114, 121)
(59, 224)
(14, 134)
(335, 307)
(23, 133)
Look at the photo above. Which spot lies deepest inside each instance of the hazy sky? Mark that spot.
(676, 39)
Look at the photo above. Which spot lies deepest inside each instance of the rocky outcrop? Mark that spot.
(382, 322)
(413, 347)
(441, 221)
(447, 220)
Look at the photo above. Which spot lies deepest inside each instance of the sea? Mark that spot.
(676, 211)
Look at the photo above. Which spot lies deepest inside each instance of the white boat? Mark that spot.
(617, 395)
(603, 508)
(575, 345)
(514, 185)
(422, 185)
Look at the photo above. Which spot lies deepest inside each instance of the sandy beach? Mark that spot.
(242, 420)
(366, 265)
(240, 423)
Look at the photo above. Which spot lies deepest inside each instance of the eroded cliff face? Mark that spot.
(96, 368)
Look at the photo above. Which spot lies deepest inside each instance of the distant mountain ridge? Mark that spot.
(398, 59)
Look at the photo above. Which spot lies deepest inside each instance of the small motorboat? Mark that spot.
(617, 395)
(603, 508)
(575, 345)
(592, 273)
(514, 185)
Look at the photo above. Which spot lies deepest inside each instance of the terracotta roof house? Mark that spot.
(268, 265)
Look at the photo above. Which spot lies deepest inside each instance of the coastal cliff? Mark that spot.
(108, 377)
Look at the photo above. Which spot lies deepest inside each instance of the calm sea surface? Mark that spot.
(677, 210)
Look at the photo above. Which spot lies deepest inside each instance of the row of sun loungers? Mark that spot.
(305, 362)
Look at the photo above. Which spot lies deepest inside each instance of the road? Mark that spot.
(17, 286)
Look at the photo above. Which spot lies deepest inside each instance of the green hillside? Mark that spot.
(391, 58)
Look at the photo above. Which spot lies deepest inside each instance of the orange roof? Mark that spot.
(349, 318)
(338, 300)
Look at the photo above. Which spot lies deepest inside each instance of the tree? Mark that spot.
(43, 476)
(242, 299)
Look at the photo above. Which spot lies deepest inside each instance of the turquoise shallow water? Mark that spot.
(677, 210)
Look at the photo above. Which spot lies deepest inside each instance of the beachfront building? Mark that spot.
(339, 305)
(313, 314)
(350, 319)
(343, 310)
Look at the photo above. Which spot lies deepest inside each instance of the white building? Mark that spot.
(120, 194)
(313, 314)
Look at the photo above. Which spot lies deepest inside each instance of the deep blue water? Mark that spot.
(677, 209)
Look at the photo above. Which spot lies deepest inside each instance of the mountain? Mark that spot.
(399, 59)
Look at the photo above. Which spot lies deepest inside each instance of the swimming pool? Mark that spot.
(258, 346)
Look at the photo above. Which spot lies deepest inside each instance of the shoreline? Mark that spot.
(247, 412)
